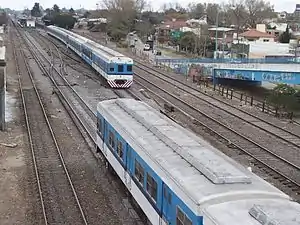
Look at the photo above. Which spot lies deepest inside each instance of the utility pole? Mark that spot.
(2, 87)
(216, 37)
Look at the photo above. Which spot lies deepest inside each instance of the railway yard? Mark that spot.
(51, 171)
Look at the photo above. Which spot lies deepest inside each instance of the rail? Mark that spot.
(33, 150)
(71, 110)
(219, 129)
(227, 107)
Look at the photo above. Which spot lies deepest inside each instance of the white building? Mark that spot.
(30, 23)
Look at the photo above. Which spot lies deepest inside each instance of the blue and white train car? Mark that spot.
(114, 67)
(177, 178)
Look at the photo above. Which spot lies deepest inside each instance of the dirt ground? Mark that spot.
(14, 185)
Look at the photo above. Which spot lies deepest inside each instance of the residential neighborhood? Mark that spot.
(200, 30)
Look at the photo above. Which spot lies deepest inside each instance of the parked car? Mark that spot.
(146, 47)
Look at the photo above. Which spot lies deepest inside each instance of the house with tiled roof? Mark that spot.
(257, 36)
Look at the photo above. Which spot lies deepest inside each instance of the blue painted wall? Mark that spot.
(258, 75)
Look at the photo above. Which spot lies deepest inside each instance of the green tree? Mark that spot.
(56, 9)
(123, 16)
(284, 97)
(36, 11)
(71, 11)
(285, 36)
(64, 20)
(26, 12)
(187, 41)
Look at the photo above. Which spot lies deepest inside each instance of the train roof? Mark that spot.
(100, 49)
(255, 212)
(195, 170)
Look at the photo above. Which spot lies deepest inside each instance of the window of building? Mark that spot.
(120, 68)
(129, 68)
(181, 218)
(139, 172)
(120, 149)
(111, 140)
(151, 186)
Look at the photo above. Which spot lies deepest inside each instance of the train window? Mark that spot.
(120, 149)
(182, 218)
(99, 125)
(87, 52)
(129, 68)
(151, 186)
(120, 68)
(111, 139)
(111, 68)
(139, 172)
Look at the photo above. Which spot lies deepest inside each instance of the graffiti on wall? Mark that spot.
(259, 75)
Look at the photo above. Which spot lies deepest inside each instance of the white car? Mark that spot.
(146, 47)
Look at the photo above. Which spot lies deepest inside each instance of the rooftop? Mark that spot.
(253, 33)
(222, 29)
(173, 24)
(196, 171)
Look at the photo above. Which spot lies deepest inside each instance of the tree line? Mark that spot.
(55, 16)
(128, 15)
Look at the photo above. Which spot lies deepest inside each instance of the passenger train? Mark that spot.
(177, 178)
(114, 67)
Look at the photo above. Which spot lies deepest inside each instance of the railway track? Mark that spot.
(59, 49)
(281, 169)
(48, 161)
(100, 204)
(292, 136)
(252, 130)
(277, 129)
(277, 167)
(87, 115)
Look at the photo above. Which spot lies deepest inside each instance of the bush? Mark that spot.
(64, 20)
(285, 97)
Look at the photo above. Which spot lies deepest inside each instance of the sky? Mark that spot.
(280, 5)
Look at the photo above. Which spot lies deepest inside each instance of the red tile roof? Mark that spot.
(174, 24)
(256, 34)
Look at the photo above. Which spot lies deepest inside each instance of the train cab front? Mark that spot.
(121, 73)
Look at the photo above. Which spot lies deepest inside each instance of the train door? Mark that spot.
(128, 166)
(166, 204)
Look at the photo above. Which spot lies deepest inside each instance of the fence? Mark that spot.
(202, 74)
